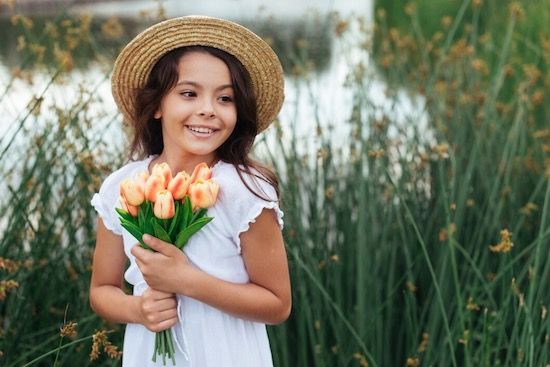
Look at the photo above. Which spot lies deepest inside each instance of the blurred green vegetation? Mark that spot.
(45, 40)
(489, 36)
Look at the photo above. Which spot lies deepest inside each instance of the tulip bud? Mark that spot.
(132, 192)
(164, 206)
(163, 169)
(179, 184)
(201, 171)
(141, 179)
(203, 193)
(214, 188)
(133, 210)
(154, 184)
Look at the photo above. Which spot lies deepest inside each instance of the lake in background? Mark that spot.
(315, 59)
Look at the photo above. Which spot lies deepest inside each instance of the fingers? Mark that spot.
(154, 315)
(159, 310)
(139, 252)
(161, 270)
(155, 244)
(163, 325)
(160, 249)
(157, 295)
(158, 245)
(161, 320)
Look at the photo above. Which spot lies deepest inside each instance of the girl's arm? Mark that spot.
(266, 298)
(154, 309)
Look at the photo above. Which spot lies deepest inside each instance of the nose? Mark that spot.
(206, 109)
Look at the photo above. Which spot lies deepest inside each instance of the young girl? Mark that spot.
(197, 89)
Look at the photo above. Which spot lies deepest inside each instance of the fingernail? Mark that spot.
(146, 238)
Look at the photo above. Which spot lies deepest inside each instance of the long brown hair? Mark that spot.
(147, 131)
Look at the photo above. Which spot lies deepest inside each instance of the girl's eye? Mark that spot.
(226, 99)
(187, 93)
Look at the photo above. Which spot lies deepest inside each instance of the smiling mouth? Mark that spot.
(201, 130)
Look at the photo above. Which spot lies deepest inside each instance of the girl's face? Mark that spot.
(199, 113)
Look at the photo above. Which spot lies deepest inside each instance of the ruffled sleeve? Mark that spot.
(105, 202)
(242, 207)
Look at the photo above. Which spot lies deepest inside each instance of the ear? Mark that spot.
(157, 114)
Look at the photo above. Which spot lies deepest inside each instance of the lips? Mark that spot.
(201, 130)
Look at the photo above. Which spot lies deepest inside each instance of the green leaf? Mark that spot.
(175, 220)
(184, 235)
(152, 222)
(125, 215)
(141, 216)
(148, 213)
(199, 214)
(134, 231)
(160, 232)
(187, 211)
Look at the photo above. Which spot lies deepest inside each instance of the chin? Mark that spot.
(202, 151)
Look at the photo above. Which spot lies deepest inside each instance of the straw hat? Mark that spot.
(136, 60)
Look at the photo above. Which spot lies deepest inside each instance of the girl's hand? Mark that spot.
(166, 270)
(158, 310)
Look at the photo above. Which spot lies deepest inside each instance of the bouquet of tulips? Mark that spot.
(169, 208)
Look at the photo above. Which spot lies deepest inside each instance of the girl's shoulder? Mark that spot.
(237, 206)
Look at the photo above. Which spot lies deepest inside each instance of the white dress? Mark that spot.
(205, 336)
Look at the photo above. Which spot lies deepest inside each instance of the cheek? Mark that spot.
(163, 108)
(231, 117)
(175, 111)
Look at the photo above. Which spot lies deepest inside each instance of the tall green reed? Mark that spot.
(52, 158)
(404, 238)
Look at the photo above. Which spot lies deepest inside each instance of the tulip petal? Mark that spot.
(163, 169)
(131, 209)
(132, 192)
(201, 171)
(154, 184)
(179, 185)
(164, 205)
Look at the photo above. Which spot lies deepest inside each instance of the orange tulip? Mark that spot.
(163, 169)
(164, 206)
(142, 179)
(214, 188)
(201, 171)
(179, 184)
(154, 184)
(133, 210)
(132, 192)
(203, 193)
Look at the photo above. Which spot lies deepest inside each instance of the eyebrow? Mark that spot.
(188, 82)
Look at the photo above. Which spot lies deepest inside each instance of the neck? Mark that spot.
(187, 163)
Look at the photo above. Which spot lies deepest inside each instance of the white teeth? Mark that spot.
(203, 130)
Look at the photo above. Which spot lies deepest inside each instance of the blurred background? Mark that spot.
(413, 152)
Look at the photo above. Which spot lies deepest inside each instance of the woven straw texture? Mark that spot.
(136, 60)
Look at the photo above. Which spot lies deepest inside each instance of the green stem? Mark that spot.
(337, 308)
(56, 350)
(163, 347)
(430, 268)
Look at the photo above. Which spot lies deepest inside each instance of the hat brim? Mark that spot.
(136, 60)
